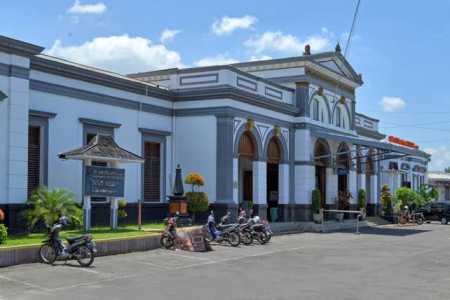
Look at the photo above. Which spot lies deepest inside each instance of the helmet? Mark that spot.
(406, 207)
(177, 213)
(212, 213)
(256, 219)
(65, 221)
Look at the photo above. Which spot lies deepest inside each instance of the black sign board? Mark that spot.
(104, 182)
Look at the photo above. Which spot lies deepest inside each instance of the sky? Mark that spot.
(401, 47)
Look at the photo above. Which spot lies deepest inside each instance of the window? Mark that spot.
(152, 172)
(338, 116)
(316, 110)
(34, 158)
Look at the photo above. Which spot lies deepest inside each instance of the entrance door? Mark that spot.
(321, 183)
(272, 188)
(248, 186)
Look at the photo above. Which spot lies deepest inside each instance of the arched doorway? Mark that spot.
(246, 155)
(369, 172)
(321, 170)
(343, 167)
(273, 171)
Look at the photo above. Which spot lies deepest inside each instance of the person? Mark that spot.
(63, 222)
(406, 213)
(212, 225)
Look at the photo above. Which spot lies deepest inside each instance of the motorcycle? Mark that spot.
(258, 231)
(222, 232)
(82, 248)
(167, 238)
(419, 218)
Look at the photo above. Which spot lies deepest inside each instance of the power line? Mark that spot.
(407, 113)
(412, 125)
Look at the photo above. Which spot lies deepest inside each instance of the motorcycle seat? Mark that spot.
(224, 227)
(257, 226)
(72, 239)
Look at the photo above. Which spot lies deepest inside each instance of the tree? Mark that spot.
(447, 170)
(49, 205)
(428, 192)
(406, 197)
(198, 201)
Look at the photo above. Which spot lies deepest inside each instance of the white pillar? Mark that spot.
(87, 204)
(260, 182)
(374, 197)
(114, 209)
(283, 184)
(352, 186)
(236, 180)
(304, 183)
(332, 186)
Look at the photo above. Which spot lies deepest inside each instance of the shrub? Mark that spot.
(362, 199)
(122, 203)
(122, 214)
(316, 201)
(405, 197)
(386, 198)
(343, 200)
(198, 201)
(3, 233)
(2, 215)
(49, 205)
(250, 204)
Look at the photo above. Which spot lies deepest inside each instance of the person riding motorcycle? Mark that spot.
(63, 222)
(212, 225)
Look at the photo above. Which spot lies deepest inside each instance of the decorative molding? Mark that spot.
(18, 47)
(246, 84)
(328, 80)
(154, 131)
(42, 114)
(208, 79)
(320, 91)
(302, 83)
(276, 130)
(14, 71)
(262, 130)
(236, 124)
(99, 123)
(273, 93)
(250, 125)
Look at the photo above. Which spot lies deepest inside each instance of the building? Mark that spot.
(267, 131)
(440, 180)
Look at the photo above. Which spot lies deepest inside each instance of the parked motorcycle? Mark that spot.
(223, 232)
(82, 248)
(259, 231)
(167, 238)
(419, 218)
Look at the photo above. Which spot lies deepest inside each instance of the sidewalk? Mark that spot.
(281, 228)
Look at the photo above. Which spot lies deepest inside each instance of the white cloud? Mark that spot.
(78, 8)
(122, 54)
(390, 104)
(168, 35)
(278, 41)
(220, 59)
(256, 58)
(440, 158)
(227, 25)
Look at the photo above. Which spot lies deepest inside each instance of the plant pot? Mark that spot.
(339, 217)
(250, 212)
(317, 218)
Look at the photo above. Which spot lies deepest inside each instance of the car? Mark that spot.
(436, 211)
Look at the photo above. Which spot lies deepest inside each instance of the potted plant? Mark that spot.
(386, 199)
(122, 214)
(250, 208)
(362, 202)
(343, 202)
(316, 205)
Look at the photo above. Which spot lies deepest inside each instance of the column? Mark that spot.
(283, 184)
(224, 162)
(332, 186)
(260, 187)
(86, 204)
(302, 97)
(114, 209)
(236, 186)
(352, 186)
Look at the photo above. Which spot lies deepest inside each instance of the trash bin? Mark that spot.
(274, 214)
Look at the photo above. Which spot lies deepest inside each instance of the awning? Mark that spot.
(368, 143)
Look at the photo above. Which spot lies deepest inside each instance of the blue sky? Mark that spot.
(401, 47)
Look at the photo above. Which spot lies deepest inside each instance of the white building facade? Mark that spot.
(268, 132)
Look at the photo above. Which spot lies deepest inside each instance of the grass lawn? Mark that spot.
(98, 233)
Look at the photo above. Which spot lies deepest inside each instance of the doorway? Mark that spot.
(369, 172)
(273, 178)
(321, 172)
(246, 154)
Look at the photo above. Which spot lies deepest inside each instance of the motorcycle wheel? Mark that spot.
(269, 236)
(85, 256)
(234, 239)
(419, 221)
(247, 239)
(166, 242)
(262, 238)
(48, 254)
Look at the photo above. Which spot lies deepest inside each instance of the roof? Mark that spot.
(438, 176)
(102, 147)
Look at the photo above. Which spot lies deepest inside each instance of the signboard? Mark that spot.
(104, 182)
(342, 172)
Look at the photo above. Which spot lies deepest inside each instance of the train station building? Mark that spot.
(266, 131)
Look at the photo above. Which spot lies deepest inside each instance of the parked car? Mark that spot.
(436, 211)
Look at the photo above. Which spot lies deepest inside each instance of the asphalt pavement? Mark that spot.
(381, 263)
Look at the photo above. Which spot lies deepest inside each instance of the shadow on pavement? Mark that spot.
(391, 231)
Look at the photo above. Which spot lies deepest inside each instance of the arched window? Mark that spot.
(338, 116)
(316, 110)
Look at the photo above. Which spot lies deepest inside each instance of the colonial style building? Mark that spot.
(440, 180)
(267, 131)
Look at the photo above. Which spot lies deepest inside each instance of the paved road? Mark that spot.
(381, 263)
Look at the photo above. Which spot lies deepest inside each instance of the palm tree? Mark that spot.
(49, 205)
